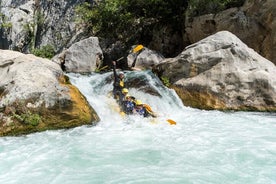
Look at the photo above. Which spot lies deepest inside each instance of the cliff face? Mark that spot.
(28, 24)
(254, 24)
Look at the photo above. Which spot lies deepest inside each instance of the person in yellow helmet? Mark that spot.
(122, 96)
(143, 109)
(125, 91)
(118, 84)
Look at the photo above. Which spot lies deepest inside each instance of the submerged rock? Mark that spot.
(221, 72)
(35, 95)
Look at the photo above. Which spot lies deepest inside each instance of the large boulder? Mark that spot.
(84, 56)
(144, 59)
(35, 95)
(221, 72)
(254, 23)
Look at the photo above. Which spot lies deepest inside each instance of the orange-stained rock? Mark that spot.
(35, 96)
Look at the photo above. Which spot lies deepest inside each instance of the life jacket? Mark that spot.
(149, 110)
(128, 107)
(122, 83)
(119, 83)
(142, 112)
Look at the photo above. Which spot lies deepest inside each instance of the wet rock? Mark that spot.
(36, 96)
(221, 72)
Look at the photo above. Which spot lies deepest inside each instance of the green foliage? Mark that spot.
(129, 19)
(4, 23)
(28, 118)
(31, 119)
(20, 112)
(121, 18)
(46, 51)
(166, 81)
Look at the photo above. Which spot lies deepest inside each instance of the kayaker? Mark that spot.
(143, 109)
(118, 84)
(122, 97)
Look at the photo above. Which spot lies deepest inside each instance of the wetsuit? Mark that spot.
(142, 112)
(128, 107)
(118, 85)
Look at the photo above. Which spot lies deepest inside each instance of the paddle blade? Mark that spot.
(172, 122)
(137, 48)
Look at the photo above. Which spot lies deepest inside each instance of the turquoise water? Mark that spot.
(204, 146)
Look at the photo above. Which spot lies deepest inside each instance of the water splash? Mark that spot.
(204, 146)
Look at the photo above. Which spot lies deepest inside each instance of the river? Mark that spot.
(204, 147)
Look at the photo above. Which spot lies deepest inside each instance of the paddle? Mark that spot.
(172, 122)
(148, 108)
(137, 48)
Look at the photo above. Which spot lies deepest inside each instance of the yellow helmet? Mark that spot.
(125, 90)
(139, 102)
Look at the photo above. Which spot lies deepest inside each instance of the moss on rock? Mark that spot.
(199, 99)
(204, 99)
(24, 120)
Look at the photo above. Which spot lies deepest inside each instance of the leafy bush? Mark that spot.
(166, 81)
(119, 19)
(32, 119)
(20, 112)
(46, 51)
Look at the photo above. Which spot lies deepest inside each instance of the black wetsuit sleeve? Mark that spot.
(116, 78)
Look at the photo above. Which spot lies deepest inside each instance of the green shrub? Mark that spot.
(31, 119)
(6, 25)
(46, 51)
(122, 18)
(166, 81)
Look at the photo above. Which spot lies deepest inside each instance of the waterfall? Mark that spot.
(97, 89)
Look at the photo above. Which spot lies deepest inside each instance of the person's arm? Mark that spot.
(114, 68)
(116, 78)
(149, 111)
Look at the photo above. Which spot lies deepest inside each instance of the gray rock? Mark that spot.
(35, 96)
(82, 57)
(253, 23)
(221, 72)
(28, 76)
(144, 59)
(39, 23)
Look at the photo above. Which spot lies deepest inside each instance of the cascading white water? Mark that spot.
(204, 146)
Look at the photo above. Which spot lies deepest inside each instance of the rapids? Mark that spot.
(204, 147)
